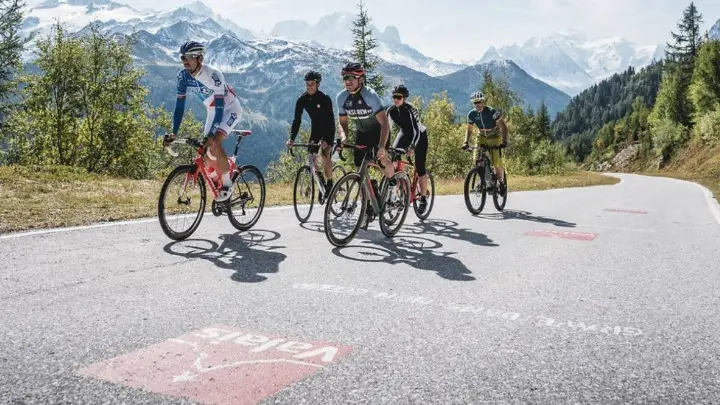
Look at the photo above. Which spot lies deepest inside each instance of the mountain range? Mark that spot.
(266, 71)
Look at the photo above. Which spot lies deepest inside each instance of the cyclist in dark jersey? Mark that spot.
(319, 107)
(488, 120)
(364, 106)
(412, 136)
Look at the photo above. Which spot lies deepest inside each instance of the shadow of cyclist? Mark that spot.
(526, 216)
(448, 229)
(419, 252)
(316, 226)
(244, 252)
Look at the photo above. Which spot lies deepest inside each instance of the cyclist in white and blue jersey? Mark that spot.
(223, 108)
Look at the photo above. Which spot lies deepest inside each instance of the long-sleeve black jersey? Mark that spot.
(319, 108)
(408, 119)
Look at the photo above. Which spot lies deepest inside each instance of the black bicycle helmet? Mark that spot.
(313, 75)
(354, 69)
(192, 48)
(401, 89)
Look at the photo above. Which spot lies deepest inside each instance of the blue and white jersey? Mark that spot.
(210, 87)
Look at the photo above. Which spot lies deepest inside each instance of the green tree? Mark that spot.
(542, 123)
(705, 87)
(11, 46)
(498, 92)
(687, 41)
(86, 108)
(363, 44)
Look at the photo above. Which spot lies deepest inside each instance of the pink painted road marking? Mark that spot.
(630, 211)
(219, 365)
(562, 234)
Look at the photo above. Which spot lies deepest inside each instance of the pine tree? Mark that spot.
(542, 123)
(688, 39)
(11, 46)
(363, 44)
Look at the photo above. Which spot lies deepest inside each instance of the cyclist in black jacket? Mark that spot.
(319, 107)
(412, 136)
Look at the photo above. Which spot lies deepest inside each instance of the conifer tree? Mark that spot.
(363, 44)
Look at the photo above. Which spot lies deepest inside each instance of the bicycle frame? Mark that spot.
(199, 160)
(400, 167)
(365, 178)
(312, 162)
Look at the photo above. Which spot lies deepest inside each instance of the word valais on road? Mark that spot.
(219, 365)
(627, 210)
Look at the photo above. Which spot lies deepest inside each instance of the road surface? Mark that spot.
(603, 295)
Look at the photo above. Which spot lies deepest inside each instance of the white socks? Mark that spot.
(227, 182)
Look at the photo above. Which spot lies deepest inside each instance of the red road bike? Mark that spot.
(248, 187)
(399, 163)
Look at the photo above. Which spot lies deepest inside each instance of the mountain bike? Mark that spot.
(396, 156)
(478, 179)
(384, 202)
(308, 177)
(194, 177)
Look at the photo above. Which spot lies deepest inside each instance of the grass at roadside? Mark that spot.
(61, 196)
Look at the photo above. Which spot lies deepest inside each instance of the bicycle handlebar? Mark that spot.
(472, 148)
(186, 141)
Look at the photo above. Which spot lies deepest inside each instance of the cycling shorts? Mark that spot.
(420, 156)
(231, 116)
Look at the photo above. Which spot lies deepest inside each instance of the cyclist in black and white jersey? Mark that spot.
(412, 136)
(363, 105)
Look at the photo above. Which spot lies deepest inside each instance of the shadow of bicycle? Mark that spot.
(449, 229)
(247, 253)
(315, 226)
(526, 216)
(419, 252)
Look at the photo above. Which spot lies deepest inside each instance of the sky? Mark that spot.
(461, 30)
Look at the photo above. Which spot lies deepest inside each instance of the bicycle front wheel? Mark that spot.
(182, 201)
(248, 197)
(304, 193)
(474, 189)
(345, 209)
(396, 206)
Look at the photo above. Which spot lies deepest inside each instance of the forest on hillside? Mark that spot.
(659, 109)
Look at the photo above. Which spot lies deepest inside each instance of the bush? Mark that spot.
(708, 126)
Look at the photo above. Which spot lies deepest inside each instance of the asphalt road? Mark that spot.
(456, 310)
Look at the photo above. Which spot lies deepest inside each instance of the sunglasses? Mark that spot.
(185, 58)
(349, 77)
(398, 96)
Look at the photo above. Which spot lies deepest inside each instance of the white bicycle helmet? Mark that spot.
(477, 96)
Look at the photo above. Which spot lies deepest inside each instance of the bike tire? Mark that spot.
(348, 178)
(430, 201)
(188, 169)
(402, 180)
(308, 171)
(498, 206)
(261, 180)
(475, 171)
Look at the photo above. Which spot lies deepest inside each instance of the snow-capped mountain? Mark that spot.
(334, 31)
(266, 73)
(714, 32)
(572, 61)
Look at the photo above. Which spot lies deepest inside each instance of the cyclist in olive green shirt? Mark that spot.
(488, 120)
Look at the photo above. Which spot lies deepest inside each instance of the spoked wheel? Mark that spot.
(474, 190)
(182, 201)
(345, 210)
(396, 205)
(338, 173)
(304, 193)
(429, 197)
(500, 200)
(248, 197)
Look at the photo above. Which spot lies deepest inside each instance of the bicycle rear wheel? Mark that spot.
(179, 203)
(500, 200)
(430, 198)
(346, 199)
(397, 205)
(474, 187)
(303, 193)
(248, 195)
